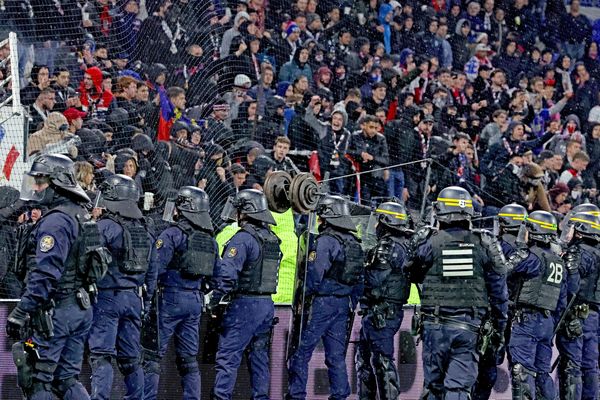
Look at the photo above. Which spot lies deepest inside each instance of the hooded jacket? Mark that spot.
(98, 100)
(459, 42)
(293, 69)
(55, 129)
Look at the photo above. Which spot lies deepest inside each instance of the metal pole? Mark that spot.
(425, 190)
(14, 72)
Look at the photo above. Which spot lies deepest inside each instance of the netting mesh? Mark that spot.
(376, 99)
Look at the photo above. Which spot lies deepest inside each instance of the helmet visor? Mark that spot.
(32, 187)
(169, 211)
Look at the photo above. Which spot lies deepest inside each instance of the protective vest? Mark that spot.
(456, 277)
(543, 291)
(199, 258)
(87, 260)
(261, 276)
(134, 256)
(383, 258)
(589, 287)
(350, 271)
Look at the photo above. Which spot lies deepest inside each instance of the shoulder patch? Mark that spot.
(312, 256)
(46, 243)
(159, 244)
(232, 252)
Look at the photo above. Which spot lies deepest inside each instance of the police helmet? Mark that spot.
(120, 195)
(393, 215)
(542, 226)
(253, 203)
(336, 211)
(194, 205)
(511, 216)
(588, 208)
(587, 225)
(454, 204)
(60, 174)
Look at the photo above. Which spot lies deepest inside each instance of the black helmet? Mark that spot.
(511, 216)
(179, 126)
(120, 195)
(586, 224)
(393, 215)
(336, 211)
(253, 203)
(542, 226)
(454, 204)
(61, 175)
(193, 203)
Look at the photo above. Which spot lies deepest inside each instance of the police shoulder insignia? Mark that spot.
(46, 243)
(159, 244)
(232, 252)
(312, 256)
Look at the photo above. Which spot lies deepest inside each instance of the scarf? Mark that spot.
(172, 37)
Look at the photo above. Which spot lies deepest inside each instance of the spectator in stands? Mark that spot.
(40, 80)
(74, 118)
(369, 150)
(232, 32)
(571, 132)
(558, 199)
(42, 107)
(62, 78)
(84, 174)
(377, 98)
(573, 147)
(94, 99)
(575, 30)
(55, 129)
(576, 167)
(281, 149)
(297, 67)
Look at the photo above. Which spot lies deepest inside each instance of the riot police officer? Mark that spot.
(510, 217)
(540, 299)
(386, 290)
(55, 304)
(124, 292)
(248, 274)
(334, 280)
(186, 256)
(462, 276)
(577, 339)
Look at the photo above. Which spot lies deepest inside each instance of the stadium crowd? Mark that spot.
(501, 96)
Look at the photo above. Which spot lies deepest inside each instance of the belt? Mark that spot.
(255, 296)
(66, 301)
(534, 310)
(451, 322)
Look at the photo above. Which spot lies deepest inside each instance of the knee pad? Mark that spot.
(98, 360)
(127, 365)
(60, 388)
(520, 387)
(261, 342)
(187, 365)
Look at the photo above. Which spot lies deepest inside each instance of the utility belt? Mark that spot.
(253, 295)
(450, 321)
(380, 313)
(525, 309)
(138, 290)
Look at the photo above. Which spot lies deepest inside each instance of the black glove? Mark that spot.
(16, 322)
(212, 305)
(500, 346)
(573, 328)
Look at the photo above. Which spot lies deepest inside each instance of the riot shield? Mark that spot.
(301, 303)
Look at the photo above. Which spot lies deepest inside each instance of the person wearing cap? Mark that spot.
(481, 57)
(246, 276)
(577, 340)
(463, 287)
(334, 282)
(186, 256)
(121, 300)
(74, 118)
(238, 94)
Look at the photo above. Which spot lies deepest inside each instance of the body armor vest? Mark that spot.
(199, 258)
(384, 257)
(589, 287)
(87, 261)
(261, 276)
(134, 256)
(350, 271)
(543, 291)
(456, 277)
